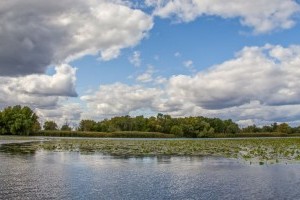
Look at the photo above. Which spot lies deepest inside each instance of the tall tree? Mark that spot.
(66, 127)
(18, 120)
(284, 128)
(87, 125)
(50, 126)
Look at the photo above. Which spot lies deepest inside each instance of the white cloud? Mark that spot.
(261, 114)
(245, 123)
(257, 73)
(160, 80)
(146, 77)
(259, 85)
(62, 83)
(38, 90)
(63, 112)
(119, 99)
(262, 15)
(135, 58)
(35, 34)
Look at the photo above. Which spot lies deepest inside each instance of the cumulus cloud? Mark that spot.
(120, 99)
(160, 80)
(35, 34)
(262, 15)
(259, 114)
(38, 90)
(64, 112)
(259, 85)
(267, 74)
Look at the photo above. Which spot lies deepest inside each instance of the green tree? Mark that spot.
(206, 132)
(231, 127)
(36, 126)
(140, 123)
(217, 124)
(252, 129)
(152, 124)
(274, 127)
(284, 128)
(188, 131)
(267, 129)
(18, 120)
(87, 125)
(296, 129)
(177, 130)
(66, 127)
(50, 126)
(1, 124)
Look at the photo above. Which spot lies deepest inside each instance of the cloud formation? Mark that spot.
(65, 112)
(120, 99)
(267, 74)
(37, 33)
(260, 83)
(262, 15)
(38, 90)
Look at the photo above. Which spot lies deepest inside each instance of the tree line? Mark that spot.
(273, 128)
(181, 127)
(18, 120)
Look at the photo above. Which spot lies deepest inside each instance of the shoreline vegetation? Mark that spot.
(136, 134)
(18, 120)
(120, 134)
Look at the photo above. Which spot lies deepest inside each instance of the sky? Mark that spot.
(95, 59)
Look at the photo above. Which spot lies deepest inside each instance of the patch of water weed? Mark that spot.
(19, 148)
(262, 149)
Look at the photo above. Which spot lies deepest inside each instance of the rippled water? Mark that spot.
(72, 175)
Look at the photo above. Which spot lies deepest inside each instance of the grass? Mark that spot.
(251, 135)
(121, 134)
(266, 150)
(15, 137)
(138, 134)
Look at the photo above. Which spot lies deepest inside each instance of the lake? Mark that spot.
(75, 175)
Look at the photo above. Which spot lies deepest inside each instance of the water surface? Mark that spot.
(73, 175)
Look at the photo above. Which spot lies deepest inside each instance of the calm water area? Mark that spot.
(73, 175)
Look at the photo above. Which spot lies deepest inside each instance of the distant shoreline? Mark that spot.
(137, 134)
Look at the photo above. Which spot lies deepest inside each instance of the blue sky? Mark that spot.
(98, 59)
(207, 41)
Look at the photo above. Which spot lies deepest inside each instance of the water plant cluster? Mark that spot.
(252, 150)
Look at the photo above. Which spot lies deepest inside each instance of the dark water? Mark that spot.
(71, 175)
